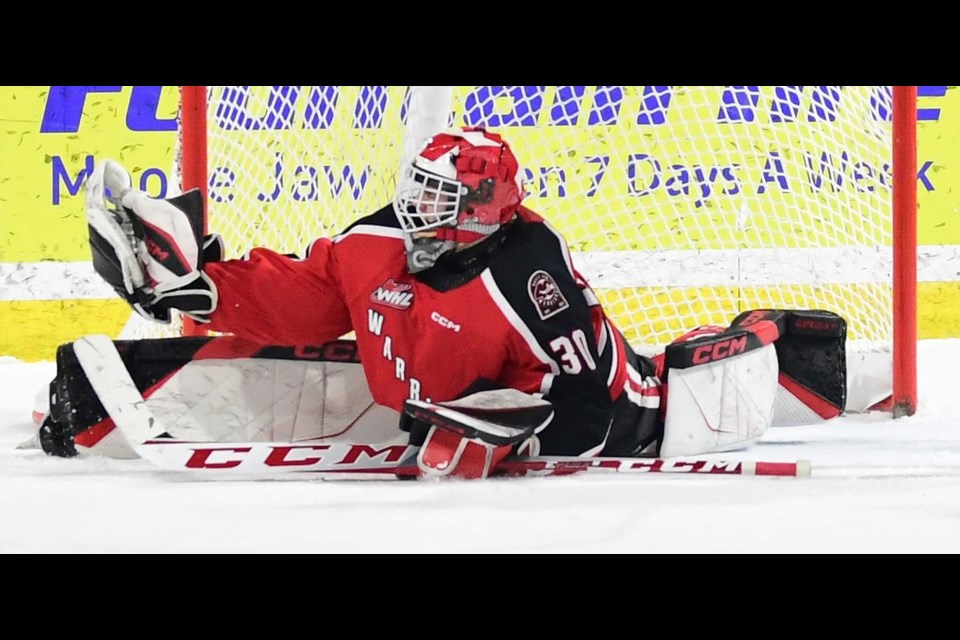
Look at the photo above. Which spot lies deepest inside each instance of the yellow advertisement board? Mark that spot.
(51, 136)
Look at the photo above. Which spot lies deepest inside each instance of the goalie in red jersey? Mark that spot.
(470, 318)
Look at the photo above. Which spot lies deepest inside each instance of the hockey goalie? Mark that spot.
(474, 336)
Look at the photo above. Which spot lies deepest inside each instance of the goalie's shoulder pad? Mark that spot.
(497, 417)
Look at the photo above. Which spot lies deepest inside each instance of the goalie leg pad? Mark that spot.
(811, 352)
(720, 405)
(218, 389)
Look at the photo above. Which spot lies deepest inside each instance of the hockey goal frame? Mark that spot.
(193, 168)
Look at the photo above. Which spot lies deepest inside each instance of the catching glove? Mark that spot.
(150, 250)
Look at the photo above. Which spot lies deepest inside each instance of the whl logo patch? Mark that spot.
(546, 294)
(398, 295)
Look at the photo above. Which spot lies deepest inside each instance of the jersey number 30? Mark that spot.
(573, 353)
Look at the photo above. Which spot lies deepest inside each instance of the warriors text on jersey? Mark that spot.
(508, 312)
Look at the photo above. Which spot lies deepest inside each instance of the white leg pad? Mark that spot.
(264, 400)
(721, 405)
(869, 379)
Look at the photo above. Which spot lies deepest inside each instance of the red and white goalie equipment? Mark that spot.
(225, 389)
(726, 387)
(456, 268)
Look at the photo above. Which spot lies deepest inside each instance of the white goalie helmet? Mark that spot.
(462, 187)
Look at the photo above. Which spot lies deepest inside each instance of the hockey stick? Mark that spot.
(108, 375)
(332, 459)
(148, 437)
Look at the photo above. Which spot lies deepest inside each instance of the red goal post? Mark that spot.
(683, 205)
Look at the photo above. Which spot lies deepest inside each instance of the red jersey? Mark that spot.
(509, 312)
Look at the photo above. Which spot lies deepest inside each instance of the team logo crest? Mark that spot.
(391, 293)
(546, 294)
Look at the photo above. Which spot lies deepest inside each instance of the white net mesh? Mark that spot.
(683, 205)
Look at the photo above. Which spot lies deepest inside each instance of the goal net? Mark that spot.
(684, 205)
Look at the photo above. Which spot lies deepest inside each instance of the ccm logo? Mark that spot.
(304, 456)
(444, 322)
(719, 350)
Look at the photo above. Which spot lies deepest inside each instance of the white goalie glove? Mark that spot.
(150, 250)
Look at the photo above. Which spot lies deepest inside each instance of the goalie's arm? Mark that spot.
(275, 299)
(152, 252)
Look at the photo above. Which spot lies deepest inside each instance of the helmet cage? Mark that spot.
(426, 201)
